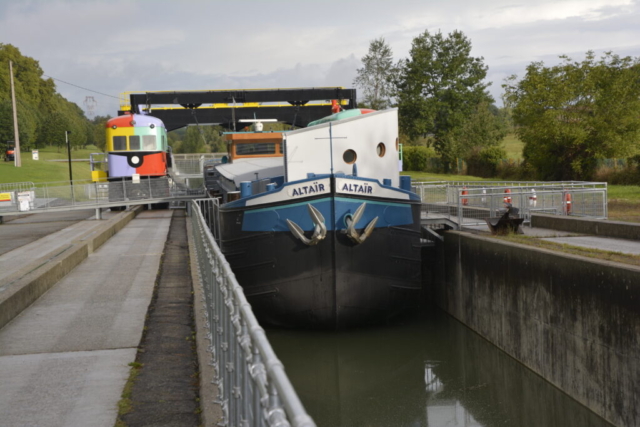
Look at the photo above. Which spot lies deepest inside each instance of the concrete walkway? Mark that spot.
(64, 360)
(19, 231)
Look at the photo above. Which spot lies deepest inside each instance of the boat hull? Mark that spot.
(335, 283)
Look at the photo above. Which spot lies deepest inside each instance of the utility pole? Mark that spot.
(16, 137)
(66, 137)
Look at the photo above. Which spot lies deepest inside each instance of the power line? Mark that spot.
(83, 88)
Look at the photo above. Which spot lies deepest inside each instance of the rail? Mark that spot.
(470, 203)
(15, 186)
(65, 195)
(253, 387)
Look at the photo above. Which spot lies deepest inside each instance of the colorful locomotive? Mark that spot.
(136, 144)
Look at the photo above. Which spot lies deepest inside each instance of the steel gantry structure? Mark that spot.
(296, 106)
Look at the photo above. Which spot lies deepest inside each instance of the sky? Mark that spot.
(116, 46)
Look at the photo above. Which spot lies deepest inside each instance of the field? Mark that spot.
(47, 169)
(513, 146)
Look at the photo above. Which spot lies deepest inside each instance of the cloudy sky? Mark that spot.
(146, 45)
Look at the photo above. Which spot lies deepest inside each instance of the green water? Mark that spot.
(427, 371)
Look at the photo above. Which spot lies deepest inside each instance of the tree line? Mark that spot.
(568, 115)
(43, 114)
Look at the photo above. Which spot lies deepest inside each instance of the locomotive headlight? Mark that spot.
(135, 160)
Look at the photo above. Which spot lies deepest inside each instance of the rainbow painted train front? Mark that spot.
(136, 144)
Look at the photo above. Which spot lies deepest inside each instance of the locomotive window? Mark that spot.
(134, 142)
(119, 142)
(149, 142)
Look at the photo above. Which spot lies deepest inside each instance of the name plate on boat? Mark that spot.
(310, 188)
(356, 188)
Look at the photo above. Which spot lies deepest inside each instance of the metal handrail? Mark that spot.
(253, 388)
(471, 203)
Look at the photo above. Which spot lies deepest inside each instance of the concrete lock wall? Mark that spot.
(573, 320)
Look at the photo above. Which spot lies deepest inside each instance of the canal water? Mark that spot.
(429, 370)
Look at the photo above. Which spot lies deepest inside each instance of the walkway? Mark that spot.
(64, 360)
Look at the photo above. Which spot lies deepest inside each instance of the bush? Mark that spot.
(484, 162)
(629, 175)
(414, 158)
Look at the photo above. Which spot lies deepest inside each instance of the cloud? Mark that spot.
(121, 45)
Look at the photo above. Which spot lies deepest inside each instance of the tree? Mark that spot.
(484, 128)
(99, 131)
(193, 141)
(38, 104)
(375, 77)
(574, 113)
(438, 88)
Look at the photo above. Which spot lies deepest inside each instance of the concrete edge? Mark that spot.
(548, 251)
(32, 281)
(211, 412)
(596, 227)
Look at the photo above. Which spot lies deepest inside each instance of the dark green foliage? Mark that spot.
(199, 139)
(484, 162)
(438, 88)
(415, 158)
(575, 113)
(38, 105)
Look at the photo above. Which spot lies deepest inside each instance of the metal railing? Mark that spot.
(193, 164)
(470, 203)
(16, 186)
(78, 194)
(253, 387)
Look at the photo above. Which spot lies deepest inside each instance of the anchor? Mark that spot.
(351, 226)
(319, 232)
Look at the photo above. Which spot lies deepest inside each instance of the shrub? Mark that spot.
(484, 162)
(414, 158)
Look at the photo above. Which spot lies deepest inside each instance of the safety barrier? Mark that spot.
(470, 203)
(65, 195)
(15, 186)
(253, 387)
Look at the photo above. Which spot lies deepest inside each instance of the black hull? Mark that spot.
(335, 284)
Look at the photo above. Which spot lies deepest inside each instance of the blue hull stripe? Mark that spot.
(274, 218)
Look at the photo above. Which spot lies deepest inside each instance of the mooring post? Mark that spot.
(98, 214)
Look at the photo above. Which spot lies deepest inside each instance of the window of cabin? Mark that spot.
(119, 143)
(134, 142)
(256, 149)
(149, 142)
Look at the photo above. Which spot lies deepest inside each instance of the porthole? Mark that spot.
(381, 149)
(349, 157)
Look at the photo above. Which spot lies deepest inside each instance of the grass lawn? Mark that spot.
(46, 170)
(570, 249)
(513, 146)
(426, 176)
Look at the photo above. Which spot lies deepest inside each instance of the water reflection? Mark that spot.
(427, 371)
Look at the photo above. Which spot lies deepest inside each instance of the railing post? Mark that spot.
(460, 213)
